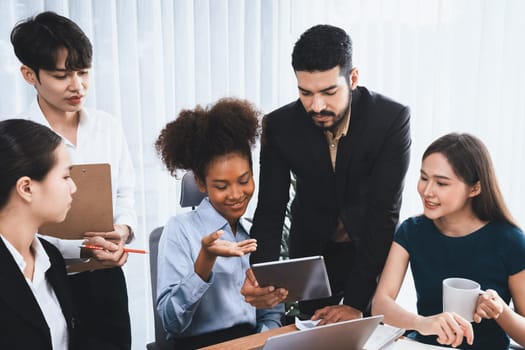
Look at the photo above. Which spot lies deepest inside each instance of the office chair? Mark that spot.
(160, 334)
(190, 197)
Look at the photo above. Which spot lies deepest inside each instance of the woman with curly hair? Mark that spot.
(203, 254)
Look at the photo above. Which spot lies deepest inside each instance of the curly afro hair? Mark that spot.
(199, 136)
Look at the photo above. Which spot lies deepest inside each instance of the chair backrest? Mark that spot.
(190, 195)
(154, 237)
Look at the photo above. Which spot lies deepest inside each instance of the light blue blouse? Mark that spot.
(189, 306)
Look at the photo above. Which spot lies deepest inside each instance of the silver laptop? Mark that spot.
(346, 335)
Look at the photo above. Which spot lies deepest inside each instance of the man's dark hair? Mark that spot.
(322, 48)
(38, 39)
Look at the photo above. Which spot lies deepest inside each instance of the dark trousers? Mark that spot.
(101, 302)
(338, 258)
(211, 338)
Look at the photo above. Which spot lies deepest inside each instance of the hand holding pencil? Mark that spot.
(120, 234)
(127, 250)
(110, 254)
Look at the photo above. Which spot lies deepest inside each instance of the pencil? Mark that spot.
(127, 250)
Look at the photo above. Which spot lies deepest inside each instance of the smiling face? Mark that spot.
(52, 195)
(325, 95)
(444, 194)
(229, 184)
(59, 90)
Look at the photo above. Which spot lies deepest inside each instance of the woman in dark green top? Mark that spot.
(466, 231)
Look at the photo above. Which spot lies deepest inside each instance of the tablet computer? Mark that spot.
(304, 278)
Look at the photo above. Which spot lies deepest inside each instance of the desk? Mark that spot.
(255, 341)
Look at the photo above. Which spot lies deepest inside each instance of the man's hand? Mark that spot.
(120, 235)
(112, 254)
(261, 298)
(336, 313)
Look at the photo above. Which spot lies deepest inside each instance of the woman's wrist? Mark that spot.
(204, 264)
(416, 323)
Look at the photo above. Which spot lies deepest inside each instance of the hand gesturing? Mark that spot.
(213, 245)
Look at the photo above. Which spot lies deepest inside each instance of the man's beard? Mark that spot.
(337, 119)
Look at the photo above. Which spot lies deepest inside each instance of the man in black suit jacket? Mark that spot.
(348, 149)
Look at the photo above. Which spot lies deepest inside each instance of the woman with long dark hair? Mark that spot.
(465, 231)
(35, 187)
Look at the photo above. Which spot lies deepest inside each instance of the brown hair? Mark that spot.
(470, 160)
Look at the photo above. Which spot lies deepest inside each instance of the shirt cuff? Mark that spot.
(69, 248)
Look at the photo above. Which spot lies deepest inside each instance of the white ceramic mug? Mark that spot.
(460, 295)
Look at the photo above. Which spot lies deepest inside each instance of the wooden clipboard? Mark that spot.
(91, 209)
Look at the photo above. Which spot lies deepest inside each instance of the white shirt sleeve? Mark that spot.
(69, 248)
(124, 211)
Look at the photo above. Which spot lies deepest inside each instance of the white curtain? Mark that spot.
(457, 64)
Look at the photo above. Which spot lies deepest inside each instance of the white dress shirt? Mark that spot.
(43, 292)
(100, 139)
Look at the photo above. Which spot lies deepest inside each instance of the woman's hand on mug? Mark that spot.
(490, 306)
(449, 327)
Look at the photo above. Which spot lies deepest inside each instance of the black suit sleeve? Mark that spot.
(381, 214)
(274, 187)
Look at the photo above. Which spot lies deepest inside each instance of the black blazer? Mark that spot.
(365, 189)
(22, 324)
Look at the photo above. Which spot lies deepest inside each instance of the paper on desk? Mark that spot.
(409, 344)
(382, 336)
(305, 324)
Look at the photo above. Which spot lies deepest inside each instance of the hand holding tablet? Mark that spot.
(304, 278)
